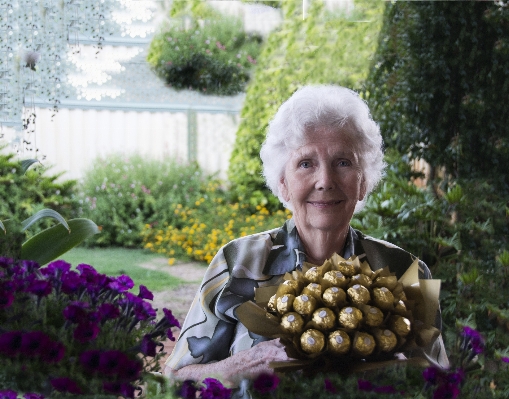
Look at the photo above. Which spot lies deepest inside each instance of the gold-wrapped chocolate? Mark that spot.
(288, 287)
(385, 339)
(284, 304)
(334, 296)
(400, 325)
(313, 289)
(363, 344)
(336, 278)
(359, 294)
(339, 342)
(361, 279)
(350, 317)
(271, 306)
(313, 275)
(383, 298)
(389, 281)
(292, 322)
(347, 268)
(312, 341)
(304, 304)
(400, 306)
(324, 318)
(373, 317)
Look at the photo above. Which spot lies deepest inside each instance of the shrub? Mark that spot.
(121, 194)
(215, 59)
(201, 229)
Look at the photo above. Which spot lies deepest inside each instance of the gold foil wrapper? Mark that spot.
(271, 306)
(336, 278)
(373, 317)
(288, 287)
(312, 341)
(363, 344)
(292, 322)
(385, 339)
(339, 342)
(313, 275)
(347, 268)
(313, 289)
(284, 304)
(389, 281)
(304, 304)
(359, 294)
(324, 318)
(400, 325)
(350, 317)
(361, 279)
(383, 298)
(400, 306)
(334, 296)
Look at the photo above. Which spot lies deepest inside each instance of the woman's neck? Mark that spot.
(321, 245)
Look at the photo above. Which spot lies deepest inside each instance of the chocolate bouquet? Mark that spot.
(344, 313)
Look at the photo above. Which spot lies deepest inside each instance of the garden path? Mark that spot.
(177, 299)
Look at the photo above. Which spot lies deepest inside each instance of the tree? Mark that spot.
(439, 83)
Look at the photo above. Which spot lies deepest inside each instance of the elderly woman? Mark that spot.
(322, 156)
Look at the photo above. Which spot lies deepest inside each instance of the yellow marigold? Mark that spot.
(189, 250)
(171, 261)
(149, 245)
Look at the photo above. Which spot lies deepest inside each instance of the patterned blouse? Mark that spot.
(212, 332)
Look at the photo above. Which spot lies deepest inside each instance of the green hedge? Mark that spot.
(325, 47)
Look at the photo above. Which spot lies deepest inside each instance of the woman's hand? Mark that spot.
(245, 364)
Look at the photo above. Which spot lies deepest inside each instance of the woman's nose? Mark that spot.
(325, 180)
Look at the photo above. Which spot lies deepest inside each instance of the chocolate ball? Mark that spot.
(313, 289)
(324, 318)
(400, 325)
(347, 268)
(383, 298)
(385, 339)
(339, 342)
(350, 317)
(312, 341)
(373, 317)
(336, 278)
(292, 322)
(284, 304)
(359, 294)
(271, 306)
(334, 296)
(288, 287)
(363, 344)
(313, 275)
(304, 304)
(361, 279)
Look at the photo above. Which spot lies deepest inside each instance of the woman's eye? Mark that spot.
(344, 162)
(305, 164)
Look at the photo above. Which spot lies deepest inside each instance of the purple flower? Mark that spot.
(148, 346)
(5, 263)
(121, 283)
(86, 270)
(265, 383)
(10, 343)
(33, 343)
(56, 268)
(31, 395)
(172, 321)
(64, 384)
(86, 332)
(364, 385)
(53, 352)
(29, 266)
(108, 311)
(144, 310)
(431, 375)
(126, 390)
(214, 390)
(76, 312)
(6, 298)
(90, 360)
(7, 393)
(71, 282)
(145, 293)
(188, 390)
(41, 288)
(446, 391)
(505, 359)
(111, 362)
(130, 370)
(473, 339)
(329, 387)
(457, 377)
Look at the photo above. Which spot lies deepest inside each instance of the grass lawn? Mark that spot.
(117, 261)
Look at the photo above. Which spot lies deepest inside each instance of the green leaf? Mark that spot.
(26, 163)
(55, 241)
(42, 214)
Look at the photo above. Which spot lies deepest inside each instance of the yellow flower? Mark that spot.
(171, 261)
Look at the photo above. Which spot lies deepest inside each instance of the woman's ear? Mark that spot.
(363, 190)
(283, 189)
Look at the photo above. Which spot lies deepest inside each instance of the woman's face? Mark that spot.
(323, 182)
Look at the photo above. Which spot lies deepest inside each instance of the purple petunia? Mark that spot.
(432, 375)
(8, 394)
(172, 321)
(214, 390)
(52, 352)
(145, 293)
(446, 391)
(90, 360)
(329, 387)
(265, 383)
(5, 262)
(41, 288)
(474, 339)
(86, 331)
(6, 298)
(148, 346)
(121, 283)
(32, 395)
(71, 282)
(124, 389)
(10, 343)
(364, 385)
(505, 359)
(33, 343)
(111, 362)
(76, 312)
(56, 269)
(108, 311)
(64, 384)
(188, 390)
(144, 310)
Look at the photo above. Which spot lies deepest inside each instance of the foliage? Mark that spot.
(270, 3)
(214, 57)
(438, 85)
(324, 48)
(199, 230)
(121, 194)
(80, 333)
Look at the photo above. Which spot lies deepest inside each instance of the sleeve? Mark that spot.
(205, 335)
